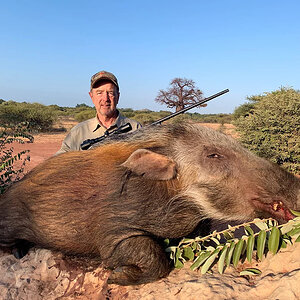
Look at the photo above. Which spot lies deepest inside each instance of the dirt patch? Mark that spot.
(43, 147)
(225, 128)
(43, 274)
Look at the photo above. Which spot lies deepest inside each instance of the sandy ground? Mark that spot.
(43, 147)
(43, 274)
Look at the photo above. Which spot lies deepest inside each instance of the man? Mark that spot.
(105, 95)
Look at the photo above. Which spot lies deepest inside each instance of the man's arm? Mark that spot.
(66, 145)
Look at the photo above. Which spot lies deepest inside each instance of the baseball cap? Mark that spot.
(104, 75)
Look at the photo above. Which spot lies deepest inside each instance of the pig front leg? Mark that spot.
(137, 260)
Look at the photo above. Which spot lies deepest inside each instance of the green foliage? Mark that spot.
(39, 117)
(271, 128)
(9, 173)
(85, 114)
(225, 249)
(82, 106)
(243, 110)
(144, 118)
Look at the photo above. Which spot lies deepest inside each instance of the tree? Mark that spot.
(246, 109)
(272, 128)
(182, 92)
(83, 105)
(243, 110)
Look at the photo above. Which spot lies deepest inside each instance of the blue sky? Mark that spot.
(50, 49)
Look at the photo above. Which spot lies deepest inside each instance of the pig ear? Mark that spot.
(151, 165)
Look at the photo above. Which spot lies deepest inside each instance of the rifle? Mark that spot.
(127, 127)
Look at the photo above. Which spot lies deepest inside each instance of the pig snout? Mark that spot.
(231, 183)
(279, 193)
(276, 209)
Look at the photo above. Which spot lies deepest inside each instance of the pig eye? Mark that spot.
(215, 155)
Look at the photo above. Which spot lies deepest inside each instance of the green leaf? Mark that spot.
(287, 227)
(283, 244)
(178, 263)
(249, 230)
(261, 241)
(194, 245)
(200, 260)
(221, 260)
(260, 224)
(273, 242)
(250, 272)
(188, 253)
(294, 231)
(272, 223)
(171, 249)
(210, 261)
(250, 247)
(228, 235)
(166, 243)
(215, 240)
(298, 239)
(295, 213)
(286, 240)
(237, 252)
(229, 253)
(210, 248)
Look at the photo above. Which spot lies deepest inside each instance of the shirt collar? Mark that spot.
(96, 125)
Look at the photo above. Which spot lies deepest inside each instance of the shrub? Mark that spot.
(85, 114)
(243, 110)
(144, 118)
(272, 127)
(128, 114)
(39, 117)
(11, 172)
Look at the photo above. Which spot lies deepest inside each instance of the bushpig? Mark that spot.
(118, 200)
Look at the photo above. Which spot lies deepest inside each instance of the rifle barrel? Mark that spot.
(189, 107)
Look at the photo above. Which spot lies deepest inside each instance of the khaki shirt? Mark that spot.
(91, 129)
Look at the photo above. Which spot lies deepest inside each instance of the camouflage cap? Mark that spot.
(103, 75)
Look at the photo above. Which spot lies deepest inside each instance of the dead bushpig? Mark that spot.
(119, 199)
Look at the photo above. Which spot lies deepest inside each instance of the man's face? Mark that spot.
(105, 97)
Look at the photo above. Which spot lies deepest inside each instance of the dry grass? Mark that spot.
(225, 128)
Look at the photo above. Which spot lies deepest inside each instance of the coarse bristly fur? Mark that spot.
(120, 199)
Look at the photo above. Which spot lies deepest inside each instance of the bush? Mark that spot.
(128, 114)
(144, 118)
(85, 114)
(243, 110)
(9, 172)
(39, 117)
(272, 127)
